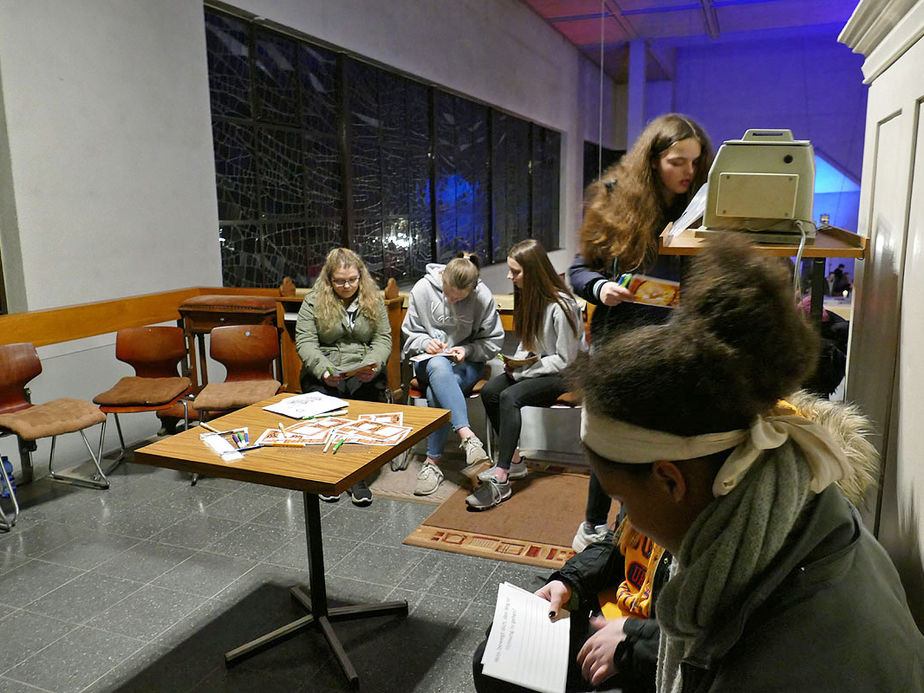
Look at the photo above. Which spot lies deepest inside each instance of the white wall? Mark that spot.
(812, 86)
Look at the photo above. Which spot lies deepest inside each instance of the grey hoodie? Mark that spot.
(472, 323)
(556, 344)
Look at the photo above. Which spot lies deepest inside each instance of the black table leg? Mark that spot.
(316, 603)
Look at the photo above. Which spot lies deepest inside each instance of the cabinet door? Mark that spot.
(885, 368)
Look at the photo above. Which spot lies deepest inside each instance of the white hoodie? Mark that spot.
(556, 344)
(472, 323)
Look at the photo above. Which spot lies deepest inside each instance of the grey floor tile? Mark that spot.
(35, 539)
(147, 613)
(381, 565)
(195, 531)
(83, 597)
(250, 541)
(139, 673)
(89, 551)
(33, 580)
(243, 505)
(30, 633)
(80, 658)
(204, 574)
(289, 515)
(10, 686)
(450, 575)
(145, 561)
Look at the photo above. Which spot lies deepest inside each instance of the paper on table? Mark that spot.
(524, 646)
(694, 211)
(221, 446)
(309, 404)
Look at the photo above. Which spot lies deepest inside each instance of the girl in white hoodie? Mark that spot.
(547, 320)
(452, 321)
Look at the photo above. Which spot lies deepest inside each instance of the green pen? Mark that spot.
(337, 446)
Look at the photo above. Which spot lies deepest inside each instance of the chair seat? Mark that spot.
(415, 391)
(148, 392)
(53, 418)
(234, 395)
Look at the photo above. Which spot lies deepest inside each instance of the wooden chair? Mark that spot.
(248, 353)
(154, 353)
(19, 363)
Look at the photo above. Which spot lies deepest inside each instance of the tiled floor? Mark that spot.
(144, 587)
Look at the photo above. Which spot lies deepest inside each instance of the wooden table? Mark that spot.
(830, 241)
(311, 471)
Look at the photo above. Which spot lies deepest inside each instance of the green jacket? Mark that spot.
(341, 347)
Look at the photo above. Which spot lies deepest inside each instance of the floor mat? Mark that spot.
(535, 526)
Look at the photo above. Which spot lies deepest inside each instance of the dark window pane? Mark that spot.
(276, 79)
(228, 46)
(510, 154)
(242, 255)
(234, 171)
(317, 69)
(323, 178)
(281, 175)
(546, 166)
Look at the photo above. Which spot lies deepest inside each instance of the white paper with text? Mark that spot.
(524, 646)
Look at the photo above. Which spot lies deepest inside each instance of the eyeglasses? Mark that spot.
(343, 283)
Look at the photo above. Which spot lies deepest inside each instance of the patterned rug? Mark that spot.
(535, 526)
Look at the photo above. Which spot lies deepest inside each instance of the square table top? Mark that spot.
(306, 468)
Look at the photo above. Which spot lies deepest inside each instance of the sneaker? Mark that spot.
(429, 479)
(489, 494)
(475, 456)
(585, 537)
(329, 499)
(360, 493)
(517, 471)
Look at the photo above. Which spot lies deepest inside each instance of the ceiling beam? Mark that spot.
(710, 17)
(664, 61)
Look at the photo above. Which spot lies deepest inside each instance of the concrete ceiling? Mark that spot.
(665, 25)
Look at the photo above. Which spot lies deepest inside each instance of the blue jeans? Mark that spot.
(446, 383)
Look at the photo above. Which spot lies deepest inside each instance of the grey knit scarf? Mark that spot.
(732, 541)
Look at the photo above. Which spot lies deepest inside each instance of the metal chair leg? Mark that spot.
(6, 524)
(98, 480)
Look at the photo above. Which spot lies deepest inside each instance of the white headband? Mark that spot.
(623, 442)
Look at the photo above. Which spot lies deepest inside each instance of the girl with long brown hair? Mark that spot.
(343, 338)
(547, 321)
(627, 208)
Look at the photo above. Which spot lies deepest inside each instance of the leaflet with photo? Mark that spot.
(512, 362)
(652, 291)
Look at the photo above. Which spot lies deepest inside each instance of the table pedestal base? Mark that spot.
(319, 616)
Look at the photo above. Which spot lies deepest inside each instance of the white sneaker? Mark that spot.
(585, 537)
(429, 479)
(475, 456)
(517, 471)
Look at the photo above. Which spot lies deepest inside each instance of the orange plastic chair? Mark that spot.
(19, 363)
(154, 353)
(248, 353)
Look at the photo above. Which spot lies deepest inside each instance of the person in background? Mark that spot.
(453, 324)
(547, 321)
(343, 338)
(775, 582)
(627, 209)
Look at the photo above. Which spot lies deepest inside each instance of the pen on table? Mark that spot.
(249, 447)
(207, 427)
(324, 416)
(327, 444)
(283, 429)
(286, 445)
(338, 445)
(246, 437)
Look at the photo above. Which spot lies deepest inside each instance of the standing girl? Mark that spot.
(343, 328)
(548, 322)
(627, 210)
(451, 321)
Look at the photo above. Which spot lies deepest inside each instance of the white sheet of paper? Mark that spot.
(524, 646)
(309, 404)
(693, 212)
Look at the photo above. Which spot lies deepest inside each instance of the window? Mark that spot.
(315, 149)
